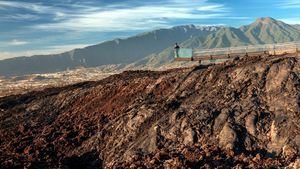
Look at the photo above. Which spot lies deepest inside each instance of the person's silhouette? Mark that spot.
(176, 49)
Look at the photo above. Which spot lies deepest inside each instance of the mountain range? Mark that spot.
(153, 49)
(262, 31)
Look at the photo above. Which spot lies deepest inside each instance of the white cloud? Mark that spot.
(30, 11)
(36, 7)
(19, 17)
(289, 4)
(291, 20)
(49, 50)
(133, 15)
(85, 17)
(110, 18)
(6, 55)
(16, 42)
(213, 8)
(137, 18)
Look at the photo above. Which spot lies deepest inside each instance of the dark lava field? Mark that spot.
(239, 114)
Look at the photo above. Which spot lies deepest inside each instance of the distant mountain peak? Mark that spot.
(199, 27)
(266, 20)
(208, 28)
(156, 43)
(263, 21)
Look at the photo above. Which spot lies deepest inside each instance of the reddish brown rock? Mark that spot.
(204, 116)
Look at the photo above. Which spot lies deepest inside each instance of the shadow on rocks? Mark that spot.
(88, 160)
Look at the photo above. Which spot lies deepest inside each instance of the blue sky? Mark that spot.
(30, 27)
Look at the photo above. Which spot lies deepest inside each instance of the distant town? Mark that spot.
(23, 84)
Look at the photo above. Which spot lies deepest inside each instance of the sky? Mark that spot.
(30, 27)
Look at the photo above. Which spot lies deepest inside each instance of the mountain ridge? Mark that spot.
(117, 51)
(155, 45)
(262, 31)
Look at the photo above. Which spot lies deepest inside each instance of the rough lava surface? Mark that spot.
(241, 113)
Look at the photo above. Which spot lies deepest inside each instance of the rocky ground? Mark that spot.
(13, 85)
(242, 113)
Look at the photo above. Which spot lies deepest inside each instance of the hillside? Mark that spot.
(242, 113)
(269, 30)
(153, 49)
(118, 51)
(297, 26)
(262, 31)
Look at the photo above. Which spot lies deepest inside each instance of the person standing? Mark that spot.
(176, 49)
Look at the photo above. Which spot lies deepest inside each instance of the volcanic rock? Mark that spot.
(241, 113)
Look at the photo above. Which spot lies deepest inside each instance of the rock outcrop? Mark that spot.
(242, 113)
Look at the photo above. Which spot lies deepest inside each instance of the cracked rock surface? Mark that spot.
(242, 113)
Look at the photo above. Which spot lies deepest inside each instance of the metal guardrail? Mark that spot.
(270, 48)
(222, 53)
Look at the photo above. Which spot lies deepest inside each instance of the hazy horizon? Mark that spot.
(38, 27)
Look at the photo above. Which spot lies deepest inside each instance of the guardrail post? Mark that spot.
(192, 52)
(228, 55)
